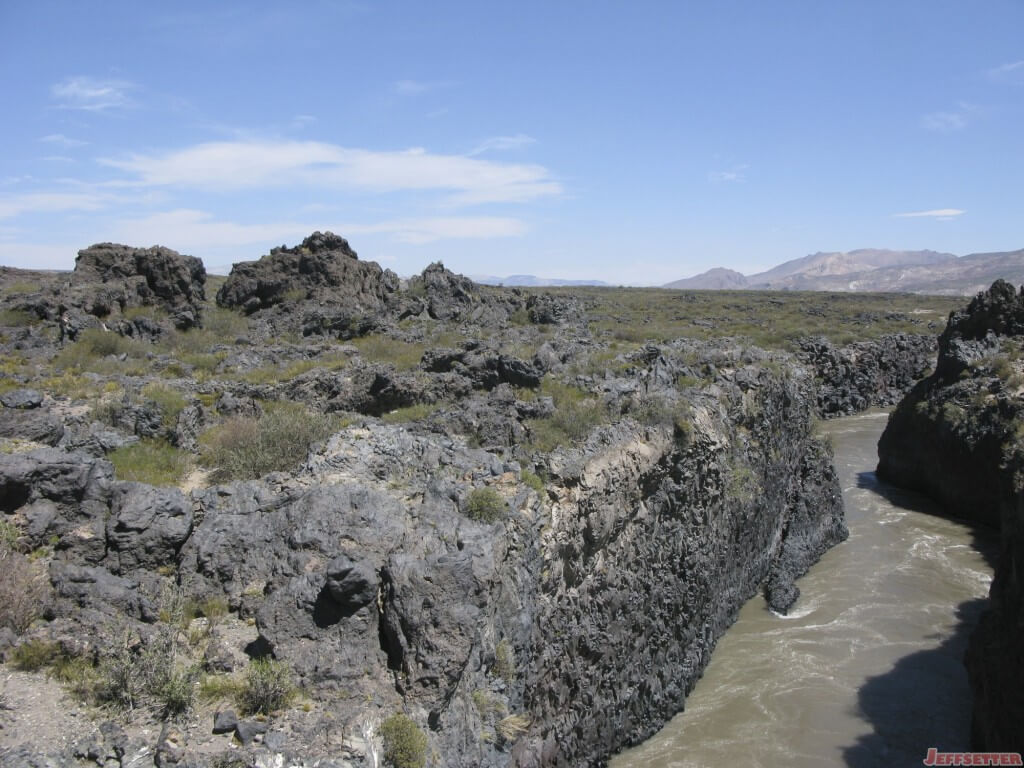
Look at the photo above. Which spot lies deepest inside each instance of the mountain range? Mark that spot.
(873, 270)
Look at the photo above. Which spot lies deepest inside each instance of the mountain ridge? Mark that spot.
(872, 270)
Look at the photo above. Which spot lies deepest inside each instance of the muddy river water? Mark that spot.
(867, 668)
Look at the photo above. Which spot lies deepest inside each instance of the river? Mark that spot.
(867, 668)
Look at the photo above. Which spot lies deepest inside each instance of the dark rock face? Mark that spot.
(322, 269)
(863, 374)
(109, 278)
(955, 437)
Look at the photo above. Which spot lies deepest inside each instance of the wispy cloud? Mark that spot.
(189, 229)
(502, 143)
(736, 174)
(266, 164)
(419, 86)
(1010, 72)
(194, 230)
(61, 140)
(942, 214)
(418, 231)
(302, 121)
(950, 121)
(92, 94)
(51, 202)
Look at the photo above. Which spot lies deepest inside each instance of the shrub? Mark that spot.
(145, 674)
(24, 590)
(531, 480)
(513, 726)
(221, 688)
(243, 448)
(504, 663)
(34, 655)
(268, 687)
(405, 745)
(151, 461)
(401, 354)
(485, 505)
(169, 401)
(409, 413)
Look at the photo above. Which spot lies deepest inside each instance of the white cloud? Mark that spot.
(302, 121)
(736, 174)
(265, 164)
(518, 141)
(419, 86)
(943, 214)
(62, 141)
(1010, 72)
(51, 202)
(38, 255)
(199, 232)
(944, 122)
(91, 94)
(187, 229)
(418, 231)
(950, 121)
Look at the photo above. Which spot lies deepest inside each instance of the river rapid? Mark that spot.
(867, 668)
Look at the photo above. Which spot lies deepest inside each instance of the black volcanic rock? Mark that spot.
(322, 269)
(863, 374)
(956, 437)
(109, 278)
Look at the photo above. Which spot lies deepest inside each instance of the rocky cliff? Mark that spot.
(957, 437)
(516, 622)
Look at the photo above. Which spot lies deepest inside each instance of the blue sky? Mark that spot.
(632, 142)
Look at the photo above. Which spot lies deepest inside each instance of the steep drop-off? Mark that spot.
(957, 437)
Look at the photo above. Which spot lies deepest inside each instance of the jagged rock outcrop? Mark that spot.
(109, 278)
(323, 269)
(864, 374)
(956, 437)
(390, 581)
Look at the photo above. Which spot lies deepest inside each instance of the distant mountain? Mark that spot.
(530, 280)
(874, 270)
(715, 279)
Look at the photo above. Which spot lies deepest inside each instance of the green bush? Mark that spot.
(531, 480)
(405, 745)
(401, 354)
(155, 462)
(141, 674)
(268, 687)
(485, 505)
(243, 448)
(35, 655)
(169, 401)
(409, 413)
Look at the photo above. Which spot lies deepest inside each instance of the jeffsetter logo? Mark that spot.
(934, 757)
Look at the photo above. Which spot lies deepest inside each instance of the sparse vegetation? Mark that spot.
(485, 505)
(405, 745)
(268, 687)
(24, 587)
(409, 413)
(244, 448)
(531, 480)
(504, 665)
(512, 727)
(576, 414)
(155, 462)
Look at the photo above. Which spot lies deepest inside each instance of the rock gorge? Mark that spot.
(525, 600)
(957, 437)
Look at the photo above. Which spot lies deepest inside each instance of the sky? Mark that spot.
(635, 143)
